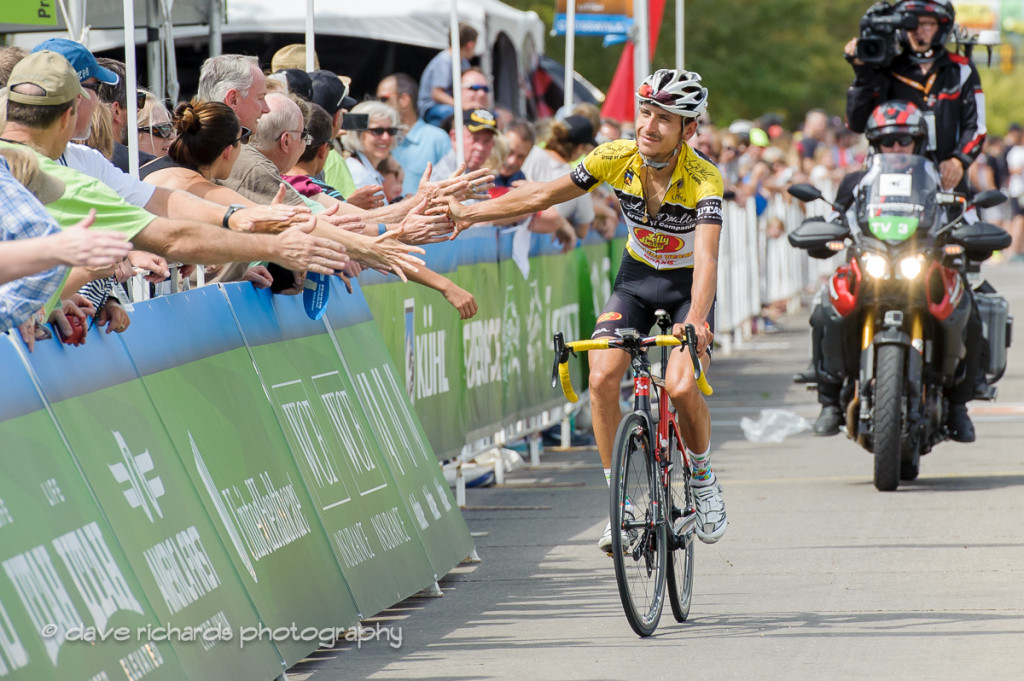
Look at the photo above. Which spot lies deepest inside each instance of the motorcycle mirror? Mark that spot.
(805, 192)
(988, 198)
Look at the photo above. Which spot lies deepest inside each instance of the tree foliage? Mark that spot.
(755, 56)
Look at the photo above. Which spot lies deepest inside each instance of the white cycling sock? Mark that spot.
(700, 467)
(608, 476)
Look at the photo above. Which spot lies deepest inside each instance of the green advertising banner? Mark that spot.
(71, 606)
(398, 432)
(30, 12)
(348, 476)
(120, 445)
(235, 453)
(423, 334)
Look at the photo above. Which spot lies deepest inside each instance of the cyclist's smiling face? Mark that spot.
(658, 132)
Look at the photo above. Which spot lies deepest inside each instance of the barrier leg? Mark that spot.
(460, 486)
(473, 557)
(566, 425)
(535, 447)
(499, 468)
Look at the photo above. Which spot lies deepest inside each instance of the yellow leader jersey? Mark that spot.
(694, 197)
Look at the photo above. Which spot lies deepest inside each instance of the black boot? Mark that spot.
(828, 421)
(959, 425)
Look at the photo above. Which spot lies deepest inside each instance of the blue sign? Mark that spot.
(596, 24)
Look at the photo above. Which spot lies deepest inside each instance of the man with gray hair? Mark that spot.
(237, 81)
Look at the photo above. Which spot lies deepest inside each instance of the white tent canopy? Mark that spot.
(411, 22)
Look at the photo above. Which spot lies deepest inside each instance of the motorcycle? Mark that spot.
(898, 308)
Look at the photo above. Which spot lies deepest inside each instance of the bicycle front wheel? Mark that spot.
(639, 533)
(680, 561)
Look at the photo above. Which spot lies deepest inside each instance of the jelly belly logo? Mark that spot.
(658, 242)
(609, 317)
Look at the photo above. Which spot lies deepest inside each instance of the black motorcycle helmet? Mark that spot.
(896, 118)
(942, 10)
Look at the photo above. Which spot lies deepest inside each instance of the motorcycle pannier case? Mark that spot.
(997, 327)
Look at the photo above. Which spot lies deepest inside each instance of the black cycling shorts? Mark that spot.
(640, 291)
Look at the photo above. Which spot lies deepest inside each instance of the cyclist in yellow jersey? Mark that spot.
(671, 198)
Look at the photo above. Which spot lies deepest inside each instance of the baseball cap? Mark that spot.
(330, 92)
(24, 167)
(299, 82)
(581, 131)
(82, 60)
(476, 120)
(292, 57)
(49, 71)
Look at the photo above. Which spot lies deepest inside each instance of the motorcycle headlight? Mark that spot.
(910, 267)
(876, 266)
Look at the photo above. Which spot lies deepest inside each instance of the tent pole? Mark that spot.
(642, 53)
(460, 151)
(216, 28)
(131, 78)
(570, 55)
(310, 36)
(680, 11)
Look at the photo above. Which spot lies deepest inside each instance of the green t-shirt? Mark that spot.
(336, 174)
(81, 193)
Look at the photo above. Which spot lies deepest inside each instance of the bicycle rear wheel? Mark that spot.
(638, 526)
(680, 561)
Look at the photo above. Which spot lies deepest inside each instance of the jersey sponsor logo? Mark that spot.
(658, 242)
(609, 317)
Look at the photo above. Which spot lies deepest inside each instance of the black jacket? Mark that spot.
(951, 89)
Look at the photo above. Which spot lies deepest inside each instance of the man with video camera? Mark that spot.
(901, 54)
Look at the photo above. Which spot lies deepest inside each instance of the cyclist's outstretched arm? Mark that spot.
(528, 198)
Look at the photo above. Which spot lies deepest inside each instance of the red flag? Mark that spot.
(618, 103)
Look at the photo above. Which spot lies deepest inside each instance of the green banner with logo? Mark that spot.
(398, 433)
(233, 448)
(120, 445)
(349, 477)
(71, 605)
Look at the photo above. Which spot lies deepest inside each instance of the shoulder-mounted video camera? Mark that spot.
(877, 44)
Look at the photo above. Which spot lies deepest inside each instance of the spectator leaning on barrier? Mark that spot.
(374, 144)
(34, 252)
(566, 141)
(479, 128)
(422, 144)
(48, 95)
(330, 91)
(436, 101)
(155, 130)
(303, 175)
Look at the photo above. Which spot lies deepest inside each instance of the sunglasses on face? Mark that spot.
(162, 130)
(893, 140)
(478, 88)
(95, 87)
(380, 132)
(304, 135)
(243, 136)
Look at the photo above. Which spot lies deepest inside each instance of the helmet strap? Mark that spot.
(656, 165)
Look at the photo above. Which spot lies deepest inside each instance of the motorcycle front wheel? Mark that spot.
(888, 417)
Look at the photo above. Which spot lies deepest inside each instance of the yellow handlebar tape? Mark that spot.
(703, 384)
(586, 345)
(667, 340)
(563, 374)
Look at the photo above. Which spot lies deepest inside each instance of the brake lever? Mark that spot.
(691, 336)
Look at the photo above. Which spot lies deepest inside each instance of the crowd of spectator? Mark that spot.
(267, 175)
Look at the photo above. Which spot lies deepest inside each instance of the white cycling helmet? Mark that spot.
(678, 92)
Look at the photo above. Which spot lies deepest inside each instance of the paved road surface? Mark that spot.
(820, 577)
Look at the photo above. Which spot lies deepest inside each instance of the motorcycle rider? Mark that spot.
(896, 127)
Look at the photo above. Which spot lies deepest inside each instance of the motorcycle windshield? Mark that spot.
(896, 198)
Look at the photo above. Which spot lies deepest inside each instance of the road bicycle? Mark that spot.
(651, 501)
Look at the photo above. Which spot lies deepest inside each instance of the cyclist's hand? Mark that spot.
(702, 330)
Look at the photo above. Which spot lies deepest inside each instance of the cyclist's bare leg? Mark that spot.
(691, 409)
(607, 368)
